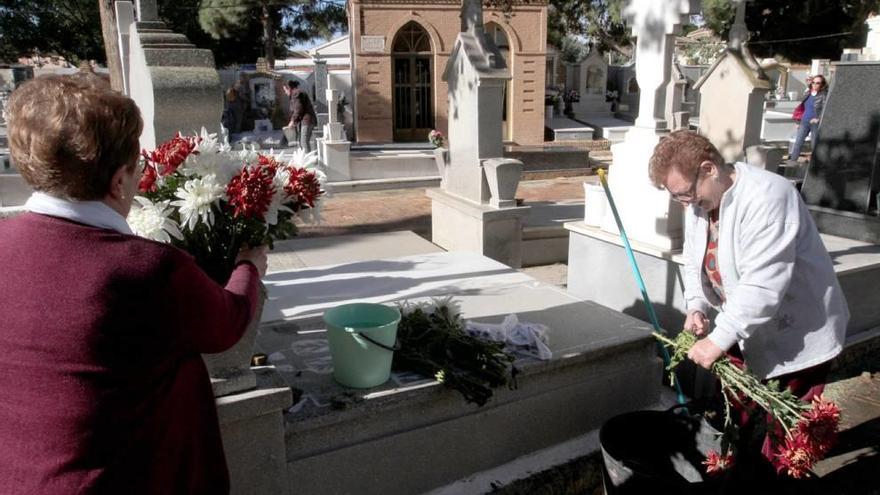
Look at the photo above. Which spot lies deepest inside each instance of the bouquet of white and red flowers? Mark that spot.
(209, 200)
(801, 433)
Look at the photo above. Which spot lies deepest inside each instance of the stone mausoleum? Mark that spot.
(400, 49)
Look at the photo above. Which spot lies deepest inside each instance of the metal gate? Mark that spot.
(413, 91)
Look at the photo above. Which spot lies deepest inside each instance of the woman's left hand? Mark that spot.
(705, 353)
(814, 121)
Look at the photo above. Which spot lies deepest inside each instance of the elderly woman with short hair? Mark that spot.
(104, 389)
(752, 252)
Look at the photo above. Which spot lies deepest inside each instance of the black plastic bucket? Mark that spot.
(657, 452)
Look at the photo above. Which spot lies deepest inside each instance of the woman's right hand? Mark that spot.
(258, 256)
(696, 322)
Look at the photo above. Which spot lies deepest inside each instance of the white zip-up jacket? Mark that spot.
(784, 304)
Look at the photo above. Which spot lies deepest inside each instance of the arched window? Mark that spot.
(413, 95)
(412, 38)
(496, 34)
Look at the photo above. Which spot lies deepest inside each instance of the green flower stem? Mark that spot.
(736, 381)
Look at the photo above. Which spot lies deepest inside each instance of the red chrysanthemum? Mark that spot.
(148, 179)
(795, 457)
(303, 187)
(267, 161)
(170, 154)
(250, 192)
(820, 425)
(716, 463)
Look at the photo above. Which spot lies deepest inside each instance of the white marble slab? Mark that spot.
(308, 292)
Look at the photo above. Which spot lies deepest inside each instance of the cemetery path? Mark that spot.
(410, 209)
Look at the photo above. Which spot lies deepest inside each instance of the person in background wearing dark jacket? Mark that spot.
(104, 389)
(302, 114)
(814, 104)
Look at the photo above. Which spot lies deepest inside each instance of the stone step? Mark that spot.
(412, 435)
(610, 128)
(545, 239)
(384, 184)
(565, 129)
(392, 164)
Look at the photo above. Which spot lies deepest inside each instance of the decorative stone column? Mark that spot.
(174, 84)
(334, 149)
(465, 213)
(649, 214)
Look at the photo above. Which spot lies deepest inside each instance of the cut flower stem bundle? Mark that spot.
(808, 430)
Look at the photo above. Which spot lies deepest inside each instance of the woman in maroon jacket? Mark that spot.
(103, 389)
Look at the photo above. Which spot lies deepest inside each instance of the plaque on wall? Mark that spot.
(373, 44)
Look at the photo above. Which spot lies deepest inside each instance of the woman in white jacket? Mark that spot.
(752, 251)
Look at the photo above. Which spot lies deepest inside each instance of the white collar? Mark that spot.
(94, 213)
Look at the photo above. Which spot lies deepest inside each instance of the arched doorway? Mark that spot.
(495, 33)
(413, 92)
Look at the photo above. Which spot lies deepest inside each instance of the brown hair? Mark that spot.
(683, 150)
(824, 81)
(68, 135)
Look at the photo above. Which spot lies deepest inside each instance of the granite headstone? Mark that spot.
(844, 172)
(843, 178)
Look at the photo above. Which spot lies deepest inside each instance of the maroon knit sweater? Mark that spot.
(102, 389)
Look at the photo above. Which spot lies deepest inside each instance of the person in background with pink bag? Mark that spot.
(808, 113)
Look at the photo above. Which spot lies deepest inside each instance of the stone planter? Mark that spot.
(441, 159)
(230, 371)
(503, 176)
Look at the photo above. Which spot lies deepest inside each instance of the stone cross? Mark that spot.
(472, 16)
(739, 33)
(655, 24)
(147, 11)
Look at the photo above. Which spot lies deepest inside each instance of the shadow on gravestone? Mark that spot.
(843, 171)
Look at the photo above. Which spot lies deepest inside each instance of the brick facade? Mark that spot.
(380, 21)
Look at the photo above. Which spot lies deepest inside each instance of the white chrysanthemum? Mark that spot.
(208, 142)
(200, 165)
(196, 198)
(301, 159)
(282, 177)
(248, 155)
(151, 220)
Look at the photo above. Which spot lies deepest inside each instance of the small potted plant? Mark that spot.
(436, 138)
(441, 153)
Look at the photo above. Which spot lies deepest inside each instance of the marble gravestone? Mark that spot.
(593, 80)
(174, 83)
(475, 207)
(843, 178)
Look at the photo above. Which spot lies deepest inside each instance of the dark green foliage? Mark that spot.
(69, 28)
(775, 26)
(434, 344)
(287, 21)
(72, 28)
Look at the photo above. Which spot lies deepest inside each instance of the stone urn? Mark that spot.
(441, 159)
(502, 175)
(230, 370)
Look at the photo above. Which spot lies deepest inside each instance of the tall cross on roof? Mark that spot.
(471, 16)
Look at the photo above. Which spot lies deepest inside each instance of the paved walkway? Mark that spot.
(410, 209)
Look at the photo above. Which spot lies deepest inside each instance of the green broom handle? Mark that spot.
(641, 282)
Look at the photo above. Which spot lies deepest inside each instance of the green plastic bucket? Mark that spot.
(362, 340)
